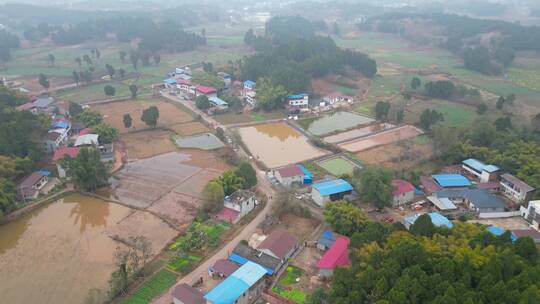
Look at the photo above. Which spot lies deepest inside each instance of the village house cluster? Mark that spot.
(63, 138)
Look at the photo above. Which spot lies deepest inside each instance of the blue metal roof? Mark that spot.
(327, 238)
(218, 101)
(249, 83)
(332, 187)
(45, 172)
(305, 170)
(236, 284)
(242, 260)
(170, 81)
(451, 180)
(498, 231)
(480, 166)
(436, 218)
(297, 96)
(60, 125)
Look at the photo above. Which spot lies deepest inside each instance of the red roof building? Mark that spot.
(69, 151)
(223, 268)
(205, 90)
(85, 131)
(336, 256)
(401, 187)
(186, 294)
(429, 184)
(289, 174)
(279, 244)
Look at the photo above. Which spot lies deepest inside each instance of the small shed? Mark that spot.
(327, 239)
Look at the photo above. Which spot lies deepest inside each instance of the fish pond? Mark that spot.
(334, 122)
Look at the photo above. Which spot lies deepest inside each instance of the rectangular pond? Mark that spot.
(205, 141)
(336, 122)
(278, 144)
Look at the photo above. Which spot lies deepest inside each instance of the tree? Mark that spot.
(128, 121)
(51, 59)
(87, 59)
(8, 196)
(202, 102)
(213, 196)
(526, 248)
(344, 217)
(86, 170)
(76, 77)
(535, 123)
(374, 185)
(230, 182)
(134, 57)
(416, 83)
(44, 81)
(248, 174)
(122, 73)
(249, 37)
(74, 109)
(208, 67)
(381, 109)
(503, 123)
(157, 58)
(98, 53)
(107, 134)
(430, 117)
(78, 61)
(269, 96)
(122, 55)
(500, 103)
(481, 109)
(440, 89)
(110, 70)
(150, 116)
(423, 226)
(90, 118)
(133, 89)
(335, 29)
(109, 90)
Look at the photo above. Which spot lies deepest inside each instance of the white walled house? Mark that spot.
(516, 189)
(403, 192)
(289, 175)
(237, 205)
(532, 214)
(298, 100)
(485, 173)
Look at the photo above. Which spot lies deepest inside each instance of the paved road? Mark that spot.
(223, 253)
(263, 184)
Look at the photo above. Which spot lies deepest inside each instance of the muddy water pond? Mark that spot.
(278, 144)
(336, 122)
(57, 253)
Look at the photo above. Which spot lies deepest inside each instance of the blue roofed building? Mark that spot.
(327, 239)
(249, 85)
(498, 231)
(298, 100)
(218, 102)
(308, 176)
(329, 191)
(485, 173)
(451, 180)
(244, 286)
(437, 219)
(169, 83)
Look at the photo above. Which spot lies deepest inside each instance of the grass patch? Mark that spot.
(337, 166)
(183, 263)
(455, 114)
(285, 285)
(230, 117)
(157, 284)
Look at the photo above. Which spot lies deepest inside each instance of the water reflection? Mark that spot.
(87, 211)
(281, 131)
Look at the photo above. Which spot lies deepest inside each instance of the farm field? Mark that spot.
(382, 138)
(235, 118)
(399, 156)
(455, 114)
(334, 122)
(188, 128)
(158, 283)
(206, 141)
(278, 144)
(138, 147)
(75, 252)
(169, 114)
(355, 133)
(337, 166)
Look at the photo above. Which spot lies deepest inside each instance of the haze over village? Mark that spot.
(269, 152)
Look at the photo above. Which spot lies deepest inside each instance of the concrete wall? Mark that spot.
(403, 198)
(318, 198)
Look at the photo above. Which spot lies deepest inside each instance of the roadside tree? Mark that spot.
(202, 102)
(150, 116)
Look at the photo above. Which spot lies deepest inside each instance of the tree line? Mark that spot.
(8, 41)
(459, 32)
(429, 264)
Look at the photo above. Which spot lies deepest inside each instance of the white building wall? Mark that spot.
(403, 198)
(318, 198)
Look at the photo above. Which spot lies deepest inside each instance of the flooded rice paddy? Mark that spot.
(57, 253)
(382, 138)
(278, 144)
(336, 122)
(205, 141)
(356, 133)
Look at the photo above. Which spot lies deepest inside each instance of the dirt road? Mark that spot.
(223, 253)
(264, 185)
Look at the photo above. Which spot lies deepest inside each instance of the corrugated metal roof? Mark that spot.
(236, 284)
(480, 166)
(218, 101)
(332, 187)
(442, 203)
(297, 96)
(436, 218)
(451, 180)
(249, 83)
(479, 198)
(337, 255)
